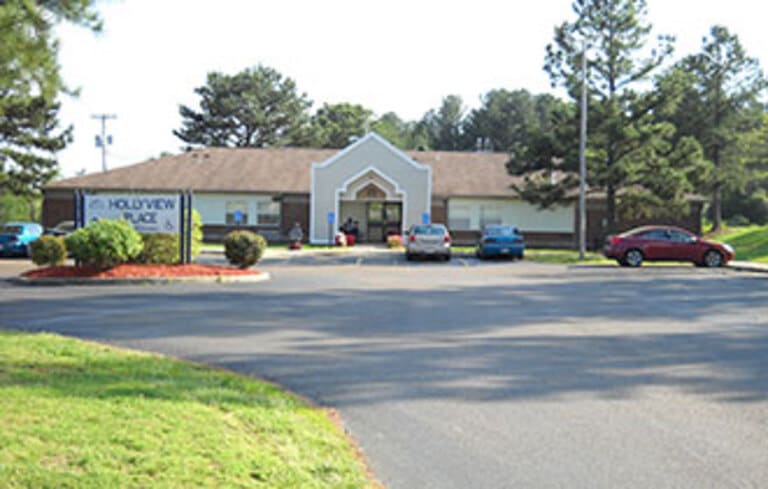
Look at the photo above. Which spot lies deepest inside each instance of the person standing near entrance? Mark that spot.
(295, 235)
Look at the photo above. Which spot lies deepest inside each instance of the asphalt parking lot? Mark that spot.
(478, 374)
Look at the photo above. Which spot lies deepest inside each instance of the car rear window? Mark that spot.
(11, 229)
(506, 231)
(429, 230)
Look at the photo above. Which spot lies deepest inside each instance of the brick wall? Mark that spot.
(57, 207)
(294, 208)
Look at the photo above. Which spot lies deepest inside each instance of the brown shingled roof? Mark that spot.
(287, 170)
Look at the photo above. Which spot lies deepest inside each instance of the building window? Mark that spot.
(268, 213)
(236, 209)
(459, 217)
(490, 215)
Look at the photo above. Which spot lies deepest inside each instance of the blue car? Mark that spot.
(16, 236)
(500, 240)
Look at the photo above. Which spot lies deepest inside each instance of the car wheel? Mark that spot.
(447, 258)
(408, 257)
(521, 256)
(713, 259)
(633, 258)
(622, 263)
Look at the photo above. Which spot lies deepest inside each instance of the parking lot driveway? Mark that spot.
(494, 376)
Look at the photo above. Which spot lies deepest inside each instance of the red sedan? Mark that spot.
(665, 243)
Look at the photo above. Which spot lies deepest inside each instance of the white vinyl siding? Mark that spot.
(473, 214)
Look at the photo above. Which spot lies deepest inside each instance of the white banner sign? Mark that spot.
(149, 213)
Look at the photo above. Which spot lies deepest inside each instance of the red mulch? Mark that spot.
(137, 271)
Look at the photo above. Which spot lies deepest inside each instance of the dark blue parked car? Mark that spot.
(500, 240)
(16, 236)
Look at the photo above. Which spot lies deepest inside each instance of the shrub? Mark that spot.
(105, 243)
(165, 248)
(48, 250)
(244, 248)
(160, 249)
(394, 241)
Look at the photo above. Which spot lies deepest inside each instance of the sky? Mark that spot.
(400, 56)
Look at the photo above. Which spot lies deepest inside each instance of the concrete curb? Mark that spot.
(200, 279)
(748, 267)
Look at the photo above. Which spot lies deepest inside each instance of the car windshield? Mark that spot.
(65, 226)
(502, 231)
(429, 230)
(11, 230)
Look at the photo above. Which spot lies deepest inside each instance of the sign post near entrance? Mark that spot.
(425, 218)
(331, 220)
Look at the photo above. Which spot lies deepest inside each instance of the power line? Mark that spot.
(103, 140)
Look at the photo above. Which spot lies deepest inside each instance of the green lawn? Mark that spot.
(750, 242)
(545, 255)
(80, 415)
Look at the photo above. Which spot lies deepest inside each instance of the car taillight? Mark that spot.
(411, 238)
(615, 240)
(447, 238)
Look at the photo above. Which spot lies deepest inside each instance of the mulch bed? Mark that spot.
(137, 271)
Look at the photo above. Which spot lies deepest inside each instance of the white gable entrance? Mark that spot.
(370, 182)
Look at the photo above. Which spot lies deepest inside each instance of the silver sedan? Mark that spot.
(428, 240)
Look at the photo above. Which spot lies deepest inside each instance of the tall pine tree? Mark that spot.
(721, 108)
(631, 155)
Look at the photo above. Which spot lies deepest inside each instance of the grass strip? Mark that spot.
(81, 415)
(749, 242)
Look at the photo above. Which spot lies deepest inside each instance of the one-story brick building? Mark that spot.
(384, 189)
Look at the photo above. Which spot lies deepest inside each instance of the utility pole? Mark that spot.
(582, 157)
(103, 140)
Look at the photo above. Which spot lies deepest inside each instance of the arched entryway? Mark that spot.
(374, 204)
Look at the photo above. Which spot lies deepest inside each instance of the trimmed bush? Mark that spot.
(163, 249)
(48, 251)
(105, 243)
(244, 248)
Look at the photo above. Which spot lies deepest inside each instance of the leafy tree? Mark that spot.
(336, 125)
(404, 135)
(720, 108)
(503, 120)
(255, 108)
(750, 201)
(630, 150)
(30, 82)
(443, 126)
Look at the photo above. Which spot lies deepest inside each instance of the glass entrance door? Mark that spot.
(384, 218)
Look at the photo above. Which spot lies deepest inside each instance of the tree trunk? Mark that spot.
(31, 204)
(717, 209)
(610, 209)
(717, 195)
